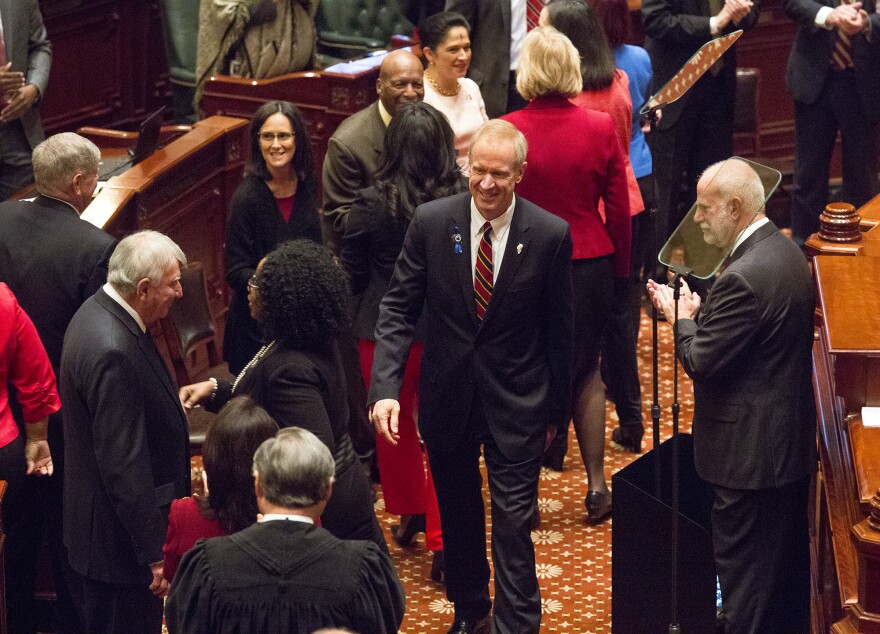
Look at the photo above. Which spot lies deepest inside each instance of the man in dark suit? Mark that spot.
(696, 130)
(498, 28)
(323, 581)
(834, 78)
(494, 273)
(53, 261)
(127, 449)
(25, 60)
(748, 352)
(352, 159)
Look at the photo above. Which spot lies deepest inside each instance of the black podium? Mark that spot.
(641, 546)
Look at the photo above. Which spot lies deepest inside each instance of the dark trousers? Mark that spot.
(702, 135)
(513, 487)
(838, 107)
(620, 370)
(15, 159)
(762, 554)
(110, 608)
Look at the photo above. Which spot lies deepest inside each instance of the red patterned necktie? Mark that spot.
(533, 12)
(841, 55)
(483, 278)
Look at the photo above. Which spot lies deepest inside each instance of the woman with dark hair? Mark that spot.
(300, 296)
(574, 162)
(276, 201)
(607, 89)
(229, 503)
(418, 165)
(446, 45)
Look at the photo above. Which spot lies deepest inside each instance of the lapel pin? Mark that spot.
(456, 238)
(519, 248)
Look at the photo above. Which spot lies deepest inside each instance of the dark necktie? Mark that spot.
(483, 277)
(533, 12)
(841, 55)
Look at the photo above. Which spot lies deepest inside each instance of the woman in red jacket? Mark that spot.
(574, 161)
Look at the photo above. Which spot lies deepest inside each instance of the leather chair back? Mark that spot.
(351, 28)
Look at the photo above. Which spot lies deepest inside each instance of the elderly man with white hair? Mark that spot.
(127, 449)
(748, 352)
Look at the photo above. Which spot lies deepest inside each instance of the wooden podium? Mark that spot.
(182, 190)
(846, 377)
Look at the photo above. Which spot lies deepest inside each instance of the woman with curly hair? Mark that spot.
(229, 505)
(300, 297)
(277, 201)
(418, 166)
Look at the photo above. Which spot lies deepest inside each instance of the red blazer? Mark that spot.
(574, 159)
(186, 526)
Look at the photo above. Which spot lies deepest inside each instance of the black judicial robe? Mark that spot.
(284, 576)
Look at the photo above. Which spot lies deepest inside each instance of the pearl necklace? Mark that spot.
(262, 352)
(440, 90)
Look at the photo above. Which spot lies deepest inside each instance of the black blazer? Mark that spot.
(674, 31)
(518, 359)
(809, 62)
(750, 356)
(53, 261)
(370, 247)
(255, 227)
(127, 445)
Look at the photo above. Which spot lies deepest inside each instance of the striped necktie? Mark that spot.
(533, 12)
(484, 277)
(841, 54)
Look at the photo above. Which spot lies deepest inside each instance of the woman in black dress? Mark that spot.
(276, 201)
(300, 297)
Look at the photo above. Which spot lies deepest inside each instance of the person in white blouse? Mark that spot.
(446, 45)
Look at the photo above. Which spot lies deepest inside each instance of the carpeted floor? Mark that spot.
(573, 559)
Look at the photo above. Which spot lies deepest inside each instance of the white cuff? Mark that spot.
(822, 16)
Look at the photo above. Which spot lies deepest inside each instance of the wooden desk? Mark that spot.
(846, 377)
(183, 190)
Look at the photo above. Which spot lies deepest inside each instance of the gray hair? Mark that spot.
(295, 468)
(145, 254)
(61, 157)
(735, 177)
(502, 130)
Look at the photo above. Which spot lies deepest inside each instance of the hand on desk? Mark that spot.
(384, 415)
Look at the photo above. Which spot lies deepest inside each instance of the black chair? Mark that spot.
(191, 337)
(353, 28)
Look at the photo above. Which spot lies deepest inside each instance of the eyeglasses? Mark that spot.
(480, 173)
(252, 284)
(283, 137)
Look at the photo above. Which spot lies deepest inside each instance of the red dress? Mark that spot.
(186, 526)
(24, 364)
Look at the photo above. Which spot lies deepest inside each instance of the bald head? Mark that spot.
(730, 196)
(400, 80)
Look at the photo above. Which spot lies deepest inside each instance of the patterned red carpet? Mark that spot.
(573, 559)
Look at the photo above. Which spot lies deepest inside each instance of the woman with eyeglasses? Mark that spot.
(276, 201)
(300, 296)
(574, 160)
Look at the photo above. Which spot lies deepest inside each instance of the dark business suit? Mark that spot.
(53, 261)
(749, 355)
(497, 382)
(490, 39)
(697, 130)
(827, 100)
(127, 455)
(30, 52)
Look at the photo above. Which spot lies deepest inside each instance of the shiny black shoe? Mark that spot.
(598, 506)
(409, 526)
(482, 626)
(627, 438)
(438, 567)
